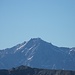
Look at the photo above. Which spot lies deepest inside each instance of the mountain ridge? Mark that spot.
(25, 70)
(39, 54)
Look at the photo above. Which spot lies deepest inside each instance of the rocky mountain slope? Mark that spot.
(39, 54)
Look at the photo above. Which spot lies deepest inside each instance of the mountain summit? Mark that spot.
(38, 54)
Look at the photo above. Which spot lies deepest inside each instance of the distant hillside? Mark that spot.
(24, 70)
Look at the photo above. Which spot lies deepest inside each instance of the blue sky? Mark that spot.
(51, 20)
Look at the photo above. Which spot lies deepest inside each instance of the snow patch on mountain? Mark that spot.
(32, 49)
(21, 46)
(72, 50)
(30, 58)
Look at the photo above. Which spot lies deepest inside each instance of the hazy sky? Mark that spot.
(51, 20)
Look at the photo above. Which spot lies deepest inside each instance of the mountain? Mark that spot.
(25, 70)
(38, 54)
